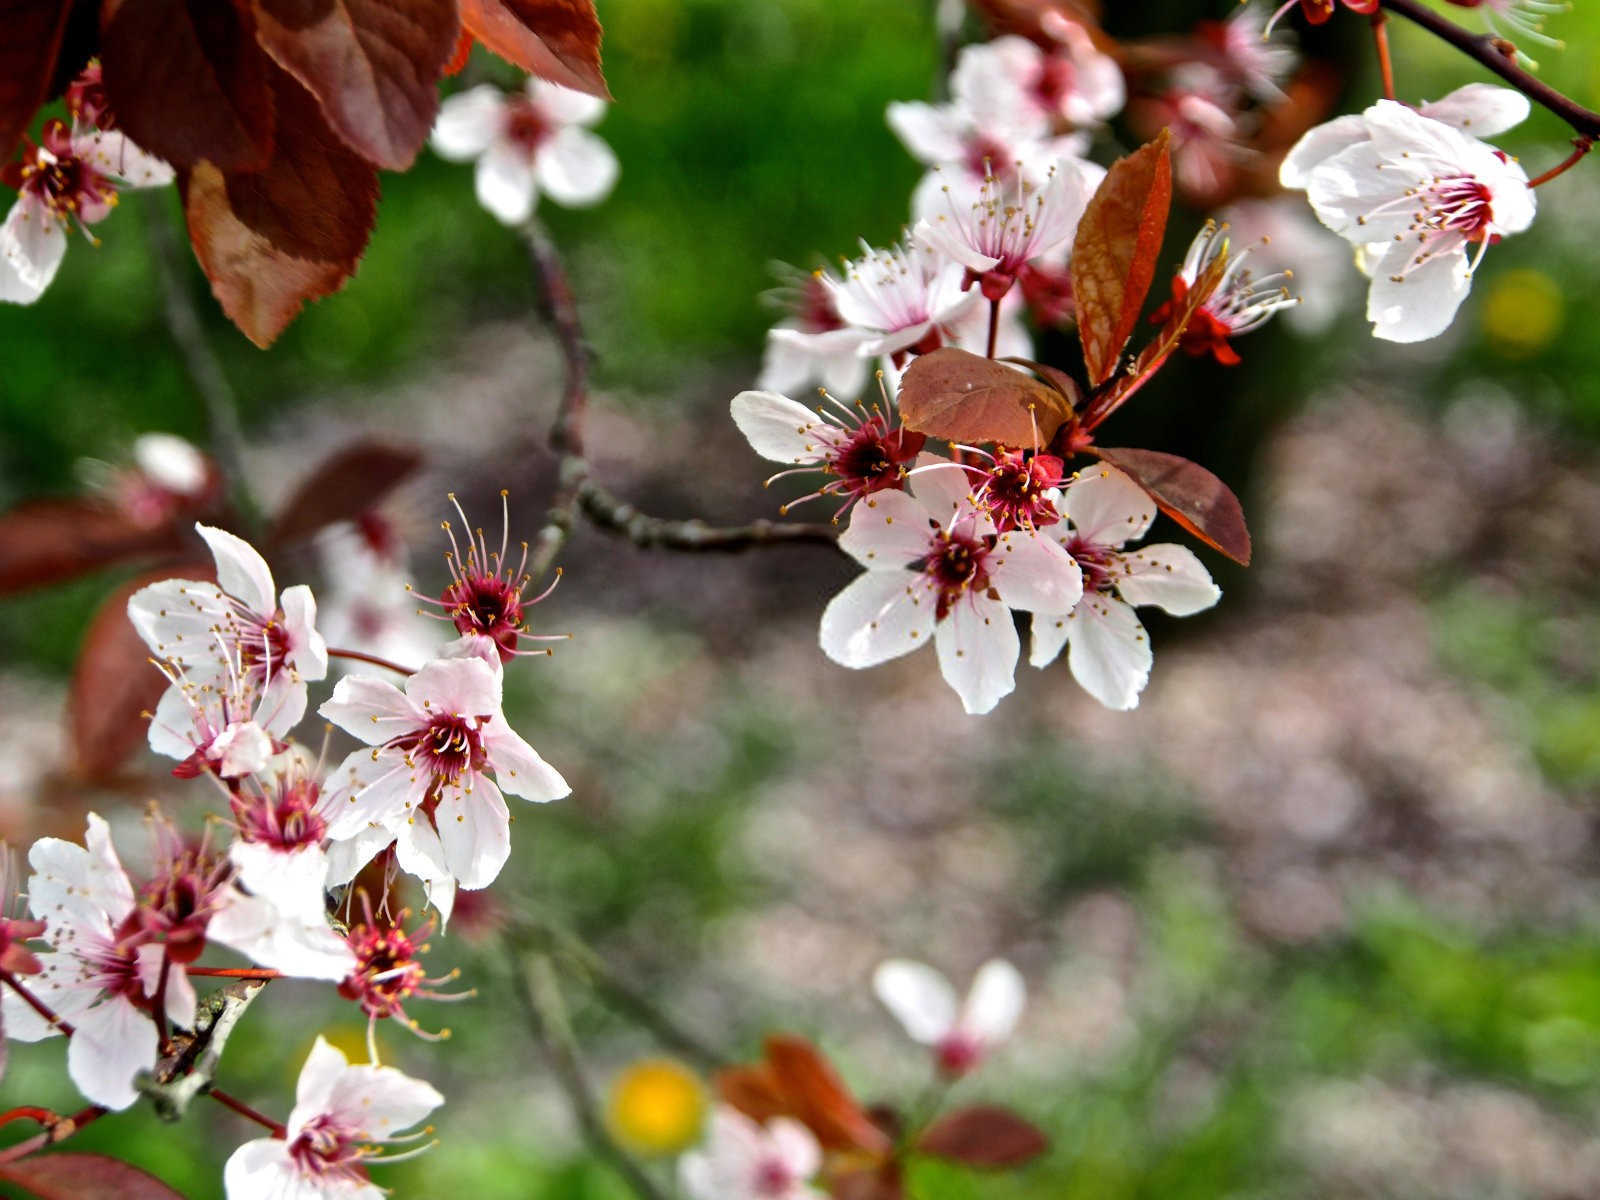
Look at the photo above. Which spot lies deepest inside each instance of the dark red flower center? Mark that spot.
(325, 1147)
(874, 456)
(56, 177)
(526, 126)
(1013, 491)
(287, 820)
(1057, 78)
(449, 748)
(957, 566)
(486, 604)
(387, 972)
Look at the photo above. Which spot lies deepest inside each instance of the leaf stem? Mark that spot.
(244, 1110)
(59, 1131)
(260, 973)
(1581, 147)
(1380, 37)
(38, 1005)
(994, 327)
(363, 656)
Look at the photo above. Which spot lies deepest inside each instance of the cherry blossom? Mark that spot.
(1109, 652)
(70, 177)
(813, 343)
(1519, 21)
(388, 972)
(1207, 138)
(1283, 236)
(938, 570)
(425, 784)
(1259, 61)
(862, 451)
(961, 1033)
(1240, 304)
(1011, 223)
(745, 1161)
(237, 632)
(527, 143)
(342, 1117)
(1073, 82)
(1319, 12)
(1413, 192)
(99, 974)
(907, 299)
(369, 600)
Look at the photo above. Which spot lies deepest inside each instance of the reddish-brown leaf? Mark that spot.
(1054, 376)
(878, 1182)
(983, 1136)
(373, 65)
(113, 681)
(1189, 494)
(187, 81)
(343, 486)
(1114, 253)
(818, 1098)
(753, 1090)
(47, 541)
(85, 1177)
(966, 398)
(317, 199)
(30, 41)
(558, 40)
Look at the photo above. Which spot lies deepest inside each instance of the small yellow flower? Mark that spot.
(1523, 313)
(657, 1107)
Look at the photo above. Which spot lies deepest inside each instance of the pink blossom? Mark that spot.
(745, 1161)
(961, 1034)
(1012, 80)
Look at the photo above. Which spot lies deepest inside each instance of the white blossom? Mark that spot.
(961, 1033)
(745, 1161)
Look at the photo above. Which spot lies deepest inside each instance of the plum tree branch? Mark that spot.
(1499, 56)
(577, 491)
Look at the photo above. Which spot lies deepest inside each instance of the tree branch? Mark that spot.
(547, 1016)
(1499, 56)
(612, 514)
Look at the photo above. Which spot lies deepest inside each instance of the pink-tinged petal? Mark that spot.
(308, 653)
(283, 703)
(504, 182)
(796, 1146)
(1348, 192)
(918, 996)
(1106, 507)
(576, 168)
(943, 488)
(372, 788)
(83, 886)
(880, 616)
(887, 529)
(795, 358)
(347, 856)
(475, 831)
(243, 748)
(295, 881)
(176, 618)
(300, 944)
(113, 1042)
(1109, 652)
(932, 134)
(942, 235)
(263, 1170)
(978, 652)
(1317, 146)
(32, 245)
(380, 1101)
(778, 428)
(319, 1076)
(1032, 572)
(994, 1003)
(465, 687)
(518, 769)
(468, 122)
(564, 105)
(241, 572)
(419, 853)
(180, 998)
(1168, 576)
(897, 340)
(1410, 303)
(475, 645)
(372, 710)
(1049, 637)
(1479, 109)
(112, 153)
(65, 987)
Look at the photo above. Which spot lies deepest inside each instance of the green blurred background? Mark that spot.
(1318, 920)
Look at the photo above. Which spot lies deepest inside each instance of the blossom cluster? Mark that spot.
(111, 958)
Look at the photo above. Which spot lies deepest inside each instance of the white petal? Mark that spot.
(978, 651)
(296, 941)
(1106, 507)
(243, 748)
(347, 856)
(294, 881)
(83, 886)
(67, 987)
(1049, 635)
(32, 245)
(777, 427)
(371, 789)
(418, 852)
(241, 571)
(263, 1170)
(1317, 146)
(468, 122)
(576, 168)
(318, 1078)
(920, 998)
(564, 105)
(171, 463)
(932, 134)
(943, 236)
(475, 831)
(283, 702)
(176, 618)
(1347, 191)
(1169, 576)
(1031, 571)
(1480, 109)
(518, 769)
(796, 1146)
(1414, 303)
(114, 154)
(1109, 651)
(881, 615)
(504, 182)
(941, 487)
(308, 653)
(380, 1101)
(466, 687)
(887, 529)
(114, 1041)
(372, 710)
(994, 1003)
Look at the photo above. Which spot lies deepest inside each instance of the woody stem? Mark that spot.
(244, 1110)
(362, 656)
(33, 1002)
(59, 1130)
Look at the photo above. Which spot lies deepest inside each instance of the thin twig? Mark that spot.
(1380, 38)
(200, 360)
(1580, 148)
(60, 1131)
(363, 656)
(38, 1005)
(1499, 56)
(614, 515)
(547, 1016)
(244, 1110)
(581, 959)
